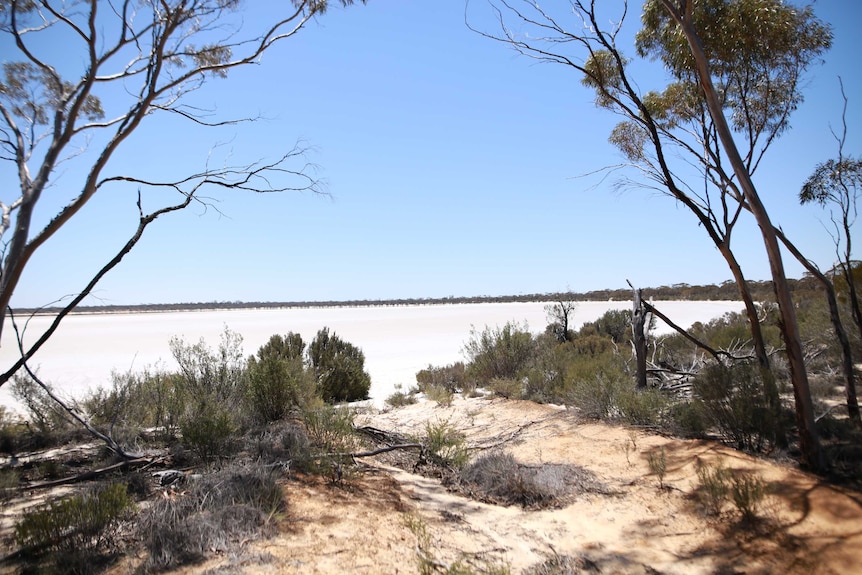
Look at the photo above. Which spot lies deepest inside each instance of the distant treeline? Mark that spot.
(761, 290)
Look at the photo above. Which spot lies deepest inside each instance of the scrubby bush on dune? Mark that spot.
(499, 353)
(277, 379)
(339, 367)
(216, 512)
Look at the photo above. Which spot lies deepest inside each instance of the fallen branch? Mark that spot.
(145, 461)
(375, 451)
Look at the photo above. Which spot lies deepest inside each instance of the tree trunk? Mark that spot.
(809, 442)
(835, 317)
(639, 324)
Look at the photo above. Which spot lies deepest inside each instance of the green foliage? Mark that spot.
(277, 381)
(450, 377)
(429, 564)
(151, 398)
(593, 383)
(735, 402)
(445, 445)
(615, 324)
(400, 398)
(508, 388)
(747, 492)
(330, 428)
(208, 429)
(757, 50)
(642, 407)
(443, 396)
(211, 383)
(718, 484)
(80, 522)
(657, 461)
(714, 486)
(42, 412)
(214, 374)
(339, 367)
(688, 418)
(504, 353)
(562, 565)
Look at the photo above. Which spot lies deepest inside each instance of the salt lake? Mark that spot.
(397, 341)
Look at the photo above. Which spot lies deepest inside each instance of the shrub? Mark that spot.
(688, 418)
(79, 523)
(498, 477)
(137, 400)
(734, 401)
(330, 428)
(44, 415)
(593, 384)
(277, 381)
(657, 461)
(207, 430)
(508, 388)
(440, 395)
(339, 367)
(450, 377)
(504, 353)
(644, 407)
(713, 488)
(400, 399)
(216, 512)
(563, 565)
(747, 492)
(445, 445)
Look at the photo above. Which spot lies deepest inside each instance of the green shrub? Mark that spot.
(688, 418)
(400, 399)
(208, 430)
(657, 461)
(562, 565)
(339, 367)
(450, 377)
(44, 415)
(747, 492)
(441, 395)
(504, 353)
(642, 407)
(714, 486)
(445, 445)
(508, 388)
(77, 523)
(330, 428)
(735, 402)
(277, 381)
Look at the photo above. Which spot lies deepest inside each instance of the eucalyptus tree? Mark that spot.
(741, 57)
(122, 64)
(836, 185)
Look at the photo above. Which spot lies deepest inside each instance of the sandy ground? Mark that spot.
(636, 527)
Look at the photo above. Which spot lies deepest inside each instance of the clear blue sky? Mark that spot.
(454, 167)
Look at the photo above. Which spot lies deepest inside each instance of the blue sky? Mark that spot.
(454, 167)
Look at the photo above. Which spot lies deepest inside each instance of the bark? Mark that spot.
(840, 333)
(809, 442)
(639, 315)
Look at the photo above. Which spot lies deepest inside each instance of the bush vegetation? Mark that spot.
(71, 533)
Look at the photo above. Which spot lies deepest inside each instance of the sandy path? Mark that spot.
(637, 528)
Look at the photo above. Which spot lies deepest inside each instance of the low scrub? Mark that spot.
(445, 445)
(215, 513)
(73, 532)
(498, 477)
(718, 485)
